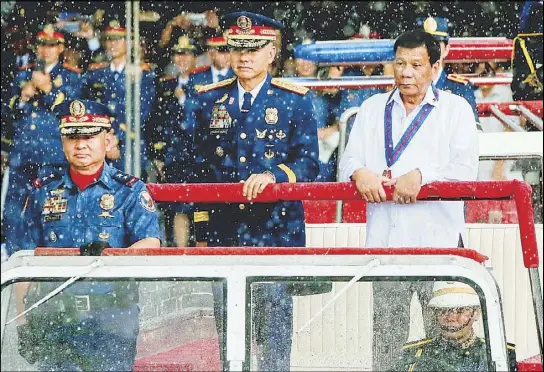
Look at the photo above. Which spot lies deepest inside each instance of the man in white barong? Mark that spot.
(407, 138)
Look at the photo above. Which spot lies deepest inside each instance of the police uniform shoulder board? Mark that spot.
(125, 178)
(168, 78)
(71, 68)
(98, 66)
(39, 182)
(458, 79)
(417, 343)
(209, 87)
(289, 87)
(147, 66)
(199, 69)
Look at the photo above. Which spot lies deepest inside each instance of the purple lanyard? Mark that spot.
(392, 153)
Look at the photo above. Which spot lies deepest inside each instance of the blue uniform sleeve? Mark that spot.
(302, 164)
(18, 82)
(141, 215)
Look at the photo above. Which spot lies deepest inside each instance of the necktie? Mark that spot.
(221, 77)
(247, 103)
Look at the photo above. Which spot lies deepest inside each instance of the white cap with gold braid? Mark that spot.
(453, 294)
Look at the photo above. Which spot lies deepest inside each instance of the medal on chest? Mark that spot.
(107, 201)
(220, 120)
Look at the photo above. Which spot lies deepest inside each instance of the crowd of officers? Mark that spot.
(65, 66)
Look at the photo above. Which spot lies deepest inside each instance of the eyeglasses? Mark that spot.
(454, 310)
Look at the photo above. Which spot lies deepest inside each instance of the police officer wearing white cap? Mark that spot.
(457, 348)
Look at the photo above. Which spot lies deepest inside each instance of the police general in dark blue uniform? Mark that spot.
(90, 325)
(257, 130)
(438, 27)
(37, 88)
(105, 83)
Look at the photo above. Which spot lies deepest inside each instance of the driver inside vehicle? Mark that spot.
(456, 307)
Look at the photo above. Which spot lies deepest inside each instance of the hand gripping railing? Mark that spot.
(482, 190)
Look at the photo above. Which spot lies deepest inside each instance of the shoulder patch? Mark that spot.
(168, 78)
(417, 343)
(40, 182)
(458, 79)
(219, 84)
(125, 178)
(71, 68)
(289, 87)
(98, 66)
(200, 69)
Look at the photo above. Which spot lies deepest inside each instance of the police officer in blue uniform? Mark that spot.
(105, 83)
(438, 27)
(257, 130)
(90, 325)
(171, 136)
(218, 70)
(36, 144)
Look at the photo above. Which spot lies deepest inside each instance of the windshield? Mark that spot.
(168, 324)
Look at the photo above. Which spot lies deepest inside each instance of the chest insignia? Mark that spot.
(107, 201)
(57, 192)
(220, 120)
(271, 115)
(57, 82)
(269, 154)
(281, 134)
(231, 100)
(261, 134)
(55, 204)
(269, 92)
(104, 235)
(222, 99)
(53, 236)
(219, 151)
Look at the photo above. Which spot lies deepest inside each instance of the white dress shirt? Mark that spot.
(253, 92)
(445, 148)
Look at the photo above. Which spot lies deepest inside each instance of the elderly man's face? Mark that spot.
(456, 322)
(252, 63)
(413, 70)
(86, 152)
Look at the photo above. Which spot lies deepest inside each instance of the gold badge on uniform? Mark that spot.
(57, 82)
(269, 154)
(271, 115)
(222, 99)
(219, 151)
(104, 235)
(107, 201)
(52, 236)
(57, 192)
(281, 134)
(261, 134)
(77, 108)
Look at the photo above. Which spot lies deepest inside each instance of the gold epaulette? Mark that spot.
(458, 79)
(417, 343)
(168, 78)
(71, 68)
(219, 84)
(146, 66)
(200, 69)
(288, 86)
(98, 65)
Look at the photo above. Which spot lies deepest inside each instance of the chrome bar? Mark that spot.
(525, 112)
(536, 290)
(505, 119)
(128, 90)
(137, 92)
(342, 126)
